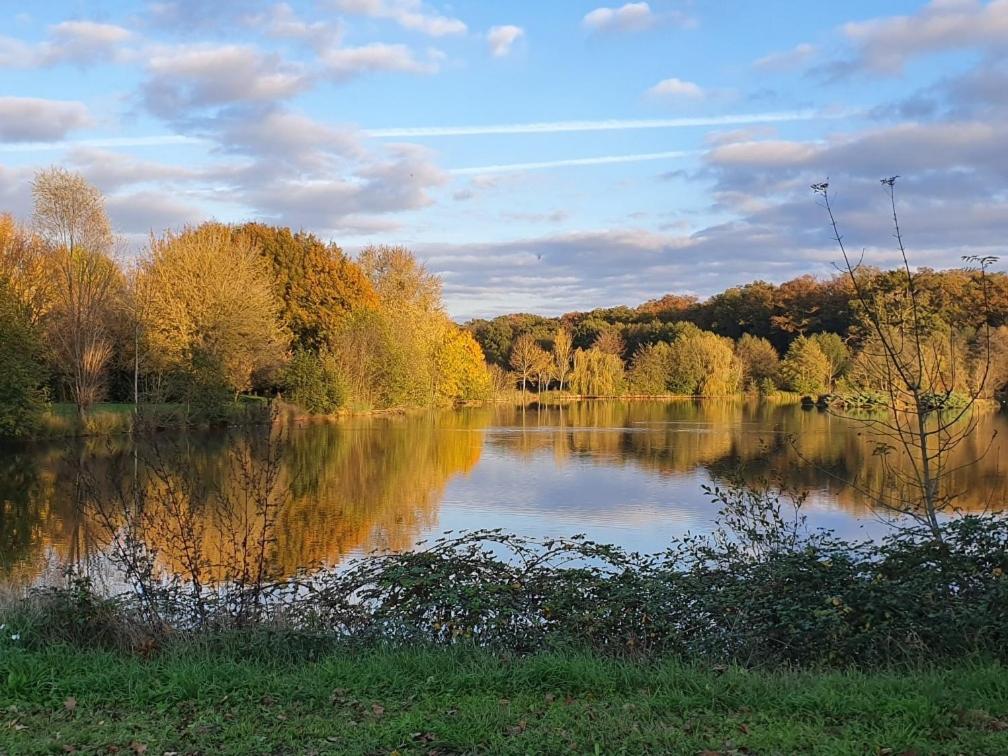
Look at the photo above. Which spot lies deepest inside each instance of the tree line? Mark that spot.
(807, 336)
(211, 312)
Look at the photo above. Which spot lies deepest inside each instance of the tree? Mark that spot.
(208, 310)
(69, 214)
(915, 359)
(561, 356)
(610, 342)
(596, 373)
(313, 382)
(760, 361)
(460, 369)
(21, 395)
(23, 264)
(837, 354)
(315, 284)
(650, 369)
(805, 368)
(524, 357)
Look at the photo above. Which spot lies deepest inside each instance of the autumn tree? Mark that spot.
(524, 357)
(609, 341)
(562, 356)
(208, 309)
(69, 215)
(650, 369)
(316, 284)
(596, 373)
(409, 347)
(837, 354)
(760, 361)
(23, 265)
(805, 368)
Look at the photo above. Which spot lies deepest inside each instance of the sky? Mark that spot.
(538, 156)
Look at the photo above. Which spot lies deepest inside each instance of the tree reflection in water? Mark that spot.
(368, 483)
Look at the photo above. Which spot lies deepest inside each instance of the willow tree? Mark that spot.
(925, 407)
(69, 215)
(207, 308)
(596, 373)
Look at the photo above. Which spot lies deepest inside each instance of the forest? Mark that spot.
(209, 318)
(807, 335)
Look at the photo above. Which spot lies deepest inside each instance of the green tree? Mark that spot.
(21, 397)
(805, 368)
(313, 382)
(650, 369)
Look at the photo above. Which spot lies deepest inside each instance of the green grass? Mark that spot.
(230, 699)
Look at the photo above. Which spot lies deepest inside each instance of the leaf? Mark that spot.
(137, 747)
(70, 704)
(744, 728)
(378, 710)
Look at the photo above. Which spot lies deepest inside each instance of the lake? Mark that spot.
(625, 472)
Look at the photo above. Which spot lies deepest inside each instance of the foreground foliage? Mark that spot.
(760, 590)
(262, 693)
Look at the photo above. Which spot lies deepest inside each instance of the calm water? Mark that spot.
(624, 472)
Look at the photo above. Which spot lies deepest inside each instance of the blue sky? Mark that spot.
(539, 156)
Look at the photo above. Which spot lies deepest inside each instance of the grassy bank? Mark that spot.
(227, 698)
(117, 418)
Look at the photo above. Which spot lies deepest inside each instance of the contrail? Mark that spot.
(140, 141)
(544, 127)
(602, 160)
(557, 127)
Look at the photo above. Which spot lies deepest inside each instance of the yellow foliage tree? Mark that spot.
(206, 307)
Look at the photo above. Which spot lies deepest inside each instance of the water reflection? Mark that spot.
(629, 472)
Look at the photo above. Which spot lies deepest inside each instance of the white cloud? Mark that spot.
(206, 76)
(85, 42)
(796, 57)
(282, 22)
(410, 14)
(347, 62)
(632, 17)
(81, 43)
(30, 119)
(674, 87)
(502, 38)
(884, 45)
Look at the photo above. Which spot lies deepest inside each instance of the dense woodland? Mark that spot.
(212, 313)
(806, 335)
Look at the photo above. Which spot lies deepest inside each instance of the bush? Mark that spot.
(313, 383)
(761, 589)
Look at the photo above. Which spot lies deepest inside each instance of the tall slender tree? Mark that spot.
(69, 214)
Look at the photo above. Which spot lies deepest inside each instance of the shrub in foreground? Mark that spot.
(760, 590)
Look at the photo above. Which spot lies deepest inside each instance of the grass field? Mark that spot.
(230, 699)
